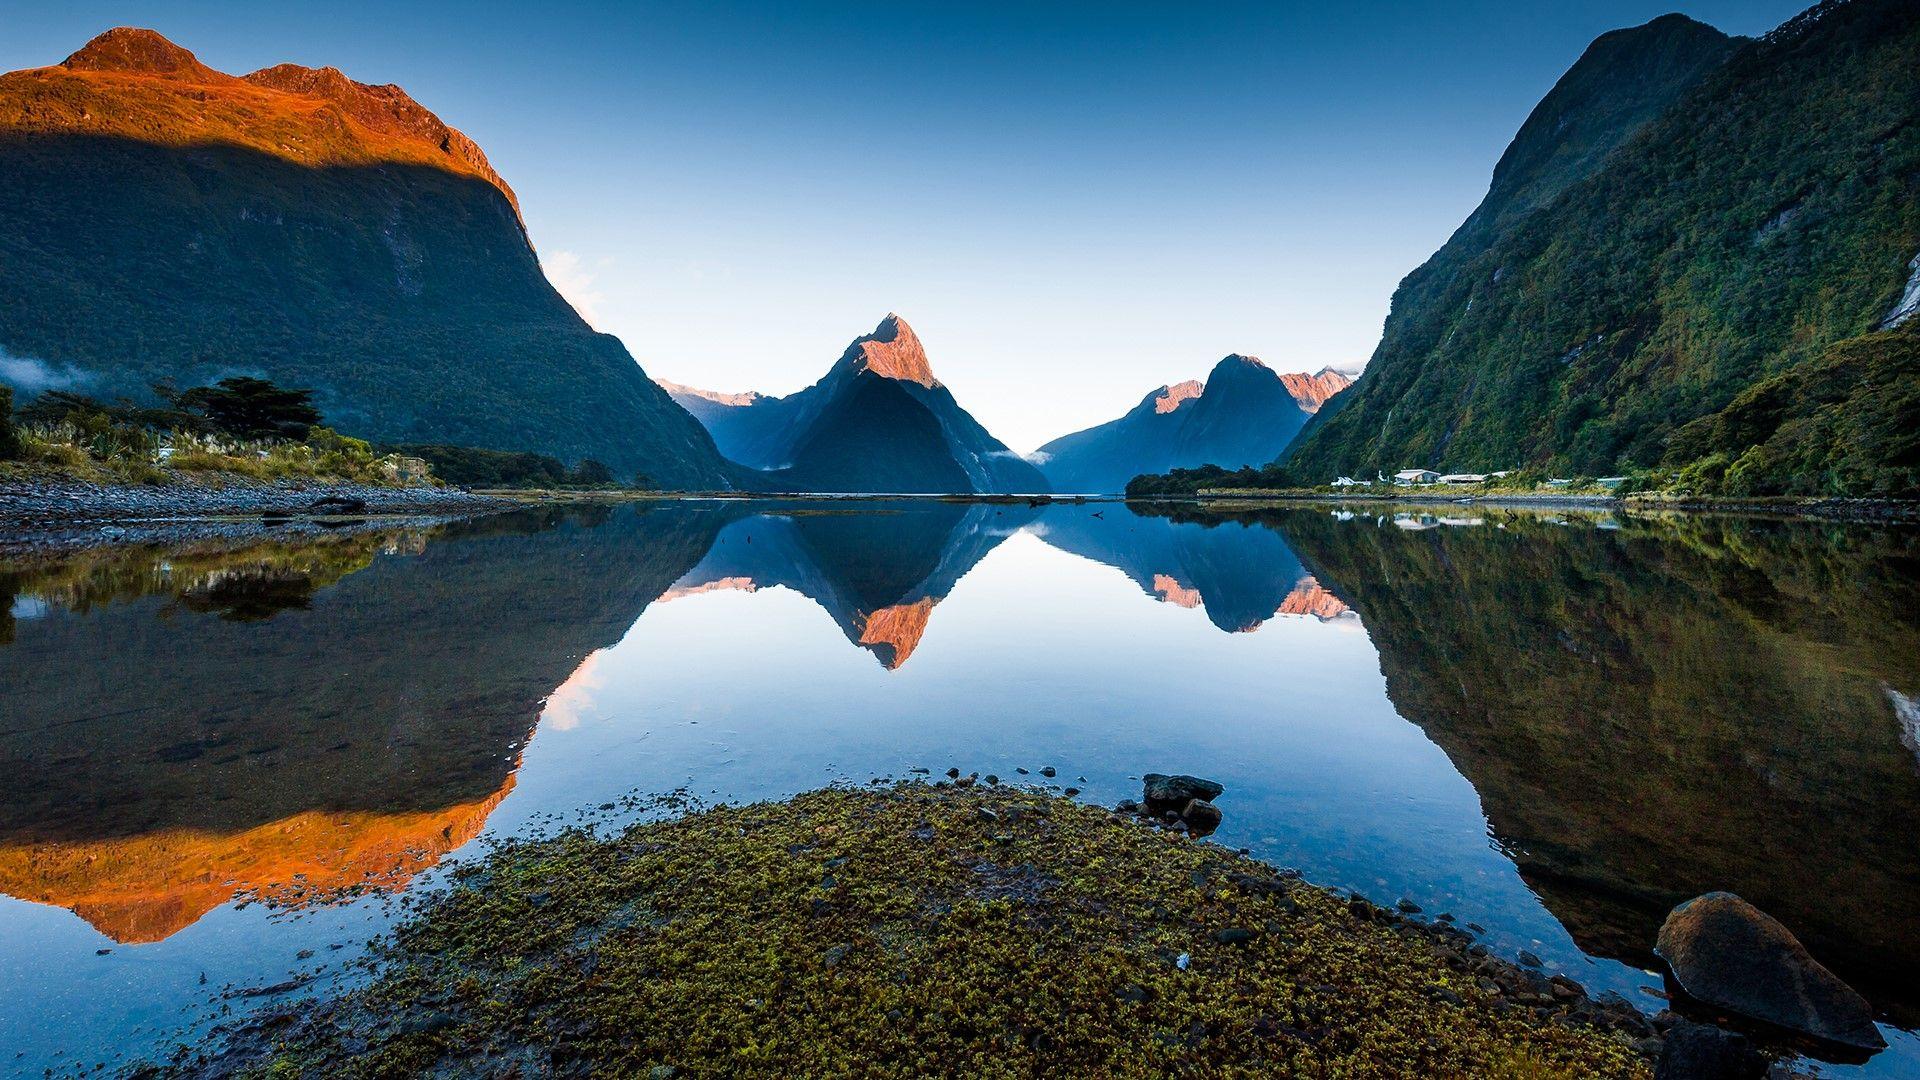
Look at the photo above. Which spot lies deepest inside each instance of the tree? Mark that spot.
(249, 408)
(9, 442)
(590, 473)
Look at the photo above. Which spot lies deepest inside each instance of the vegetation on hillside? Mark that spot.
(1768, 214)
(914, 930)
(9, 440)
(242, 426)
(470, 467)
(199, 226)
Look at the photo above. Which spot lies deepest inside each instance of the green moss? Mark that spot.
(910, 930)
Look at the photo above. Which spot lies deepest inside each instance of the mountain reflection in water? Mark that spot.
(1646, 709)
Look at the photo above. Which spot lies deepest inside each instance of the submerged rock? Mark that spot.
(1729, 955)
(1703, 1052)
(1200, 817)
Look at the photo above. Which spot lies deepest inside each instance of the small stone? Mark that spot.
(1233, 935)
(1021, 770)
(1071, 792)
(1529, 959)
(1163, 792)
(984, 814)
(1048, 772)
(1407, 906)
(953, 774)
(1201, 817)
(992, 779)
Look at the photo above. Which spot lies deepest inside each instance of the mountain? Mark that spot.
(165, 221)
(1684, 218)
(1245, 414)
(879, 421)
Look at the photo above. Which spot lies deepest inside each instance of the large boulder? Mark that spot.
(1729, 955)
(1164, 793)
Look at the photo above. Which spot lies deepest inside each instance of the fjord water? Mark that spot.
(1553, 726)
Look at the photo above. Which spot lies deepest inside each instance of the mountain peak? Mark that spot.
(137, 51)
(385, 109)
(892, 351)
(1312, 391)
(680, 390)
(1169, 398)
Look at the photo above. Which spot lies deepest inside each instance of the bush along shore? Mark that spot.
(958, 928)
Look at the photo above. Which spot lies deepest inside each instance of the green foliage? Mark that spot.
(9, 442)
(1769, 213)
(247, 408)
(1845, 424)
(913, 930)
(471, 467)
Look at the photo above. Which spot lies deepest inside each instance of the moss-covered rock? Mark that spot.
(920, 929)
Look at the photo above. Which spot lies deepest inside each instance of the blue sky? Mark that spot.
(1071, 203)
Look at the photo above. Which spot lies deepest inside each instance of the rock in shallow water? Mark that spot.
(1165, 792)
(1704, 1052)
(1727, 954)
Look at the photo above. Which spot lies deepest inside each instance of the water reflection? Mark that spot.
(1645, 709)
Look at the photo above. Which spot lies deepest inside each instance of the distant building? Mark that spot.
(1348, 481)
(1416, 476)
(1464, 478)
(1611, 481)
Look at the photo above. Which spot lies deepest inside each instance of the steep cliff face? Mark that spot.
(879, 421)
(165, 221)
(1244, 414)
(1682, 218)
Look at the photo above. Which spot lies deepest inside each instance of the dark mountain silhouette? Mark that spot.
(879, 421)
(1246, 414)
(164, 221)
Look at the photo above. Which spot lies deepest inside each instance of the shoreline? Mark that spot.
(72, 508)
(1831, 509)
(953, 928)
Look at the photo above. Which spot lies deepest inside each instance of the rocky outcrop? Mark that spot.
(1727, 954)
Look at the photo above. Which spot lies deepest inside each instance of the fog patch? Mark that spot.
(31, 376)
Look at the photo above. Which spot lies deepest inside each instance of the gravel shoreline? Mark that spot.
(47, 514)
(71, 502)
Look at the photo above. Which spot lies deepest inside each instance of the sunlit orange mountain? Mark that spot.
(318, 231)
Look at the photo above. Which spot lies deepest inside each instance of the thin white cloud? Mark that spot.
(574, 281)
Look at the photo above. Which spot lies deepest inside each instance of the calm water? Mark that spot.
(1554, 726)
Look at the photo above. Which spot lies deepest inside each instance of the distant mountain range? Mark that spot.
(878, 421)
(165, 221)
(1699, 255)
(1245, 414)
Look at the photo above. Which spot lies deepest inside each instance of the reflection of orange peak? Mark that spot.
(1309, 597)
(894, 632)
(738, 584)
(145, 888)
(1170, 590)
